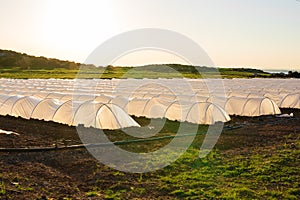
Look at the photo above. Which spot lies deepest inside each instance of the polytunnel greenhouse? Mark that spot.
(251, 106)
(90, 114)
(290, 101)
(193, 112)
(110, 104)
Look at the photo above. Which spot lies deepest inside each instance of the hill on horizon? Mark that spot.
(13, 59)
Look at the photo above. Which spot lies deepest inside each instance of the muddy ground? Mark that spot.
(72, 173)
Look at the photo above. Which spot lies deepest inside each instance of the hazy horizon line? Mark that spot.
(161, 63)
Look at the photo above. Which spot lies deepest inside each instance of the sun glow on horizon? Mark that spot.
(147, 57)
(260, 34)
(78, 26)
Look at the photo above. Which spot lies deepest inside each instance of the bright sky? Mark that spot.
(251, 33)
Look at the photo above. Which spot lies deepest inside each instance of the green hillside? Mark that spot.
(21, 65)
(11, 59)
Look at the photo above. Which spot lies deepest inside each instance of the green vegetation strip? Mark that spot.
(22, 66)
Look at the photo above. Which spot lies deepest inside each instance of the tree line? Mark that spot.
(12, 59)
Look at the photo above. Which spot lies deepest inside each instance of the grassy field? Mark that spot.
(247, 172)
(255, 158)
(121, 72)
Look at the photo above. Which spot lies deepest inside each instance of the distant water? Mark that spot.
(276, 71)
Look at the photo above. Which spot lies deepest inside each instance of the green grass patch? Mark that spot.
(263, 174)
(126, 72)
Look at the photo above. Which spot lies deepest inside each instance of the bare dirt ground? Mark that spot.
(72, 173)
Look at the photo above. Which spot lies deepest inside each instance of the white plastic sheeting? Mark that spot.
(198, 113)
(89, 113)
(152, 98)
(251, 106)
(46, 109)
(111, 114)
(105, 116)
(66, 112)
(290, 101)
